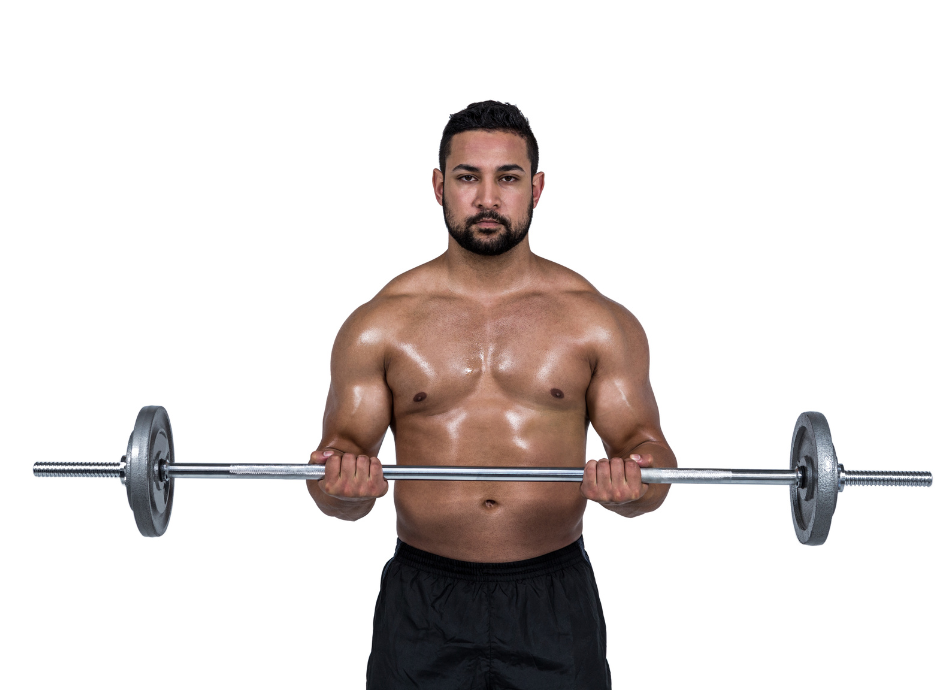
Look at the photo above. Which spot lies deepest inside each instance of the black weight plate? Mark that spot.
(813, 503)
(149, 496)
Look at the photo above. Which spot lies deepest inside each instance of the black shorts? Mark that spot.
(447, 624)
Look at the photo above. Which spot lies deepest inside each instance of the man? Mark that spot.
(489, 355)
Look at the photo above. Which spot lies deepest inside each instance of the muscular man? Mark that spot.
(489, 355)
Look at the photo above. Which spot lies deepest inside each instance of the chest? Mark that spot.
(535, 351)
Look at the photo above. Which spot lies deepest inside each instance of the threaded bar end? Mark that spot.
(78, 469)
(887, 478)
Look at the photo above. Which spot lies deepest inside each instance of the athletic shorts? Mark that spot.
(447, 624)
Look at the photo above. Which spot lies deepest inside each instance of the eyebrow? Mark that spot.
(503, 168)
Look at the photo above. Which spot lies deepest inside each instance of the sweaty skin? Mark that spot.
(490, 360)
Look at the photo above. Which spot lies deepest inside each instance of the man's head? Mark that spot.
(490, 116)
(487, 181)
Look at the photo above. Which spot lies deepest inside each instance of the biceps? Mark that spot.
(623, 412)
(357, 415)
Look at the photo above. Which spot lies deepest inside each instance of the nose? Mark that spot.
(488, 196)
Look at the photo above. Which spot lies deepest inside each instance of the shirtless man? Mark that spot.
(489, 355)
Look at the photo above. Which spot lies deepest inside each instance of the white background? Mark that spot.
(195, 195)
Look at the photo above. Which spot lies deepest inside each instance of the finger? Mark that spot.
(331, 468)
(319, 457)
(376, 474)
(603, 474)
(634, 479)
(361, 485)
(590, 474)
(645, 460)
(331, 474)
(348, 465)
(362, 475)
(631, 470)
(589, 481)
(617, 477)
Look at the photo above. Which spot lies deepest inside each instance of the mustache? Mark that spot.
(488, 214)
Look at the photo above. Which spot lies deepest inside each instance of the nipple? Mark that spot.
(419, 397)
(557, 393)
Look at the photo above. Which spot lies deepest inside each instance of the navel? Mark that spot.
(419, 397)
(557, 392)
(490, 504)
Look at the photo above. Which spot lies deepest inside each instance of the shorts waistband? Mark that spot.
(491, 572)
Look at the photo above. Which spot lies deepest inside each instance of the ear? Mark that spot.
(537, 186)
(438, 184)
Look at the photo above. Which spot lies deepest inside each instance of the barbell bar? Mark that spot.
(815, 478)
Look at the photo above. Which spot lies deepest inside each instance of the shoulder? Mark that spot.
(603, 318)
(371, 322)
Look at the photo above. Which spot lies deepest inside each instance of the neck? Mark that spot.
(490, 276)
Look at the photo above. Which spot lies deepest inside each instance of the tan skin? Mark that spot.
(490, 360)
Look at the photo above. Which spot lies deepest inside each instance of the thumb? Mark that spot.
(319, 457)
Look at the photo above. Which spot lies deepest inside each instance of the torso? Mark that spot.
(499, 382)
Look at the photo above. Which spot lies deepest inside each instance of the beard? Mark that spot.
(470, 238)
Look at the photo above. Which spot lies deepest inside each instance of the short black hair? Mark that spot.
(493, 116)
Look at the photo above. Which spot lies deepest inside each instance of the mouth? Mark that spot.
(488, 223)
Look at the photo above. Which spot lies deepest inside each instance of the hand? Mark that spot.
(615, 481)
(350, 477)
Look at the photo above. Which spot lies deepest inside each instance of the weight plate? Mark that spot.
(150, 497)
(814, 500)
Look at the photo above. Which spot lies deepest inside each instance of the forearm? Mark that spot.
(655, 494)
(350, 509)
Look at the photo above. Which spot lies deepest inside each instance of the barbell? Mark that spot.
(148, 470)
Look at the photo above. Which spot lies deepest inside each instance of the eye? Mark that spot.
(466, 178)
(509, 178)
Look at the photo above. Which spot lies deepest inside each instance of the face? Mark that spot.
(487, 193)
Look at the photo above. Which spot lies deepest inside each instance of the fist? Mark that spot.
(615, 481)
(349, 476)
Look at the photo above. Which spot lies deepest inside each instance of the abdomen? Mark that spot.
(491, 521)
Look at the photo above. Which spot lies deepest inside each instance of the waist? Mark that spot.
(455, 519)
(572, 554)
